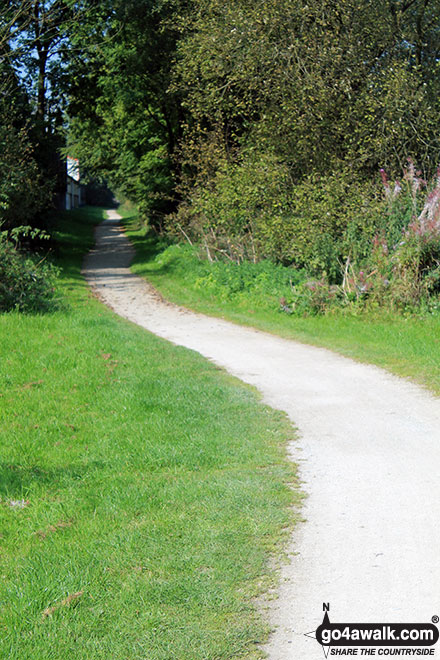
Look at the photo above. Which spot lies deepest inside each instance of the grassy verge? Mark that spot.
(408, 347)
(142, 489)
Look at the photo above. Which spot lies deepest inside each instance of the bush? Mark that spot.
(25, 285)
(239, 211)
(257, 282)
(402, 269)
(313, 297)
(23, 190)
(252, 210)
(405, 260)
(362, 248)
(332, 217)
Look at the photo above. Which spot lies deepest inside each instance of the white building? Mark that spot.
(74, 190)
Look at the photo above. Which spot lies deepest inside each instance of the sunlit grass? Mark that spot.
(142, 489)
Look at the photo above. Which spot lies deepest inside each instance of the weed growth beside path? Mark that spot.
(142, 489)
(408, 346)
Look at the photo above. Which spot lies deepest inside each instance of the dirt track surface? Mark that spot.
(368, 451)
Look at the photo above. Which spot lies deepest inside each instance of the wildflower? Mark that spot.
(383, 174)
(397, 189)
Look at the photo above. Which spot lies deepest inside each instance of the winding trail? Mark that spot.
(368, 451)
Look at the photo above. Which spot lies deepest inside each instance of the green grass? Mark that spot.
(153, 484)
(406, 346)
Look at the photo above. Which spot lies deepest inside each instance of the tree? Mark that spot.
(327, 91)
(23, 192)
(317, 82)
(124, 121)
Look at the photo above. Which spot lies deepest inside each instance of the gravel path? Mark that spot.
(369, 455)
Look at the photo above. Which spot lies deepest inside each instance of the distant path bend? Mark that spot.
(369, 456)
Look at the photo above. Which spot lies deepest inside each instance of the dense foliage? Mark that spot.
(294, 108)
(257, 129)
(124, 122)
(33, 36)
(25, 284)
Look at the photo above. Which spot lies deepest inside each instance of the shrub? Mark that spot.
(23, 190)
(240, 211)
(402, 270)
(25, 285)
(332, 216)
(407, 257)
(252, 210)
(314, 297)
(362, 248)
(260, 282)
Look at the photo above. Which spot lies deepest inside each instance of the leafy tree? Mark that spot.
(317, 82)
(36, 34)
(129, 134)
(327, 93)
(23, 192)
